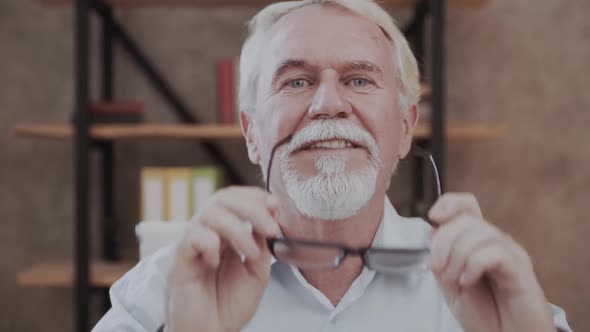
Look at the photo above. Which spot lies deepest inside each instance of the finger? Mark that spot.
(261, 266)
(233, 230)
(256, 206)
(476, 236)
(451, 205)
(504, 262)
(484, 260)
(443, 240)
(200, 244)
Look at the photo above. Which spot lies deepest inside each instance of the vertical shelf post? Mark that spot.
(416, 31)
(82, 154)
(108, 221)
(438, 86)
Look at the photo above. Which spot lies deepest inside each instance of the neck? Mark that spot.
(356, 231)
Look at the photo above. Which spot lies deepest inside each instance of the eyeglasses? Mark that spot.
(328, 255)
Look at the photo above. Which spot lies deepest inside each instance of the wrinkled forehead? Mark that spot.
(326, 36)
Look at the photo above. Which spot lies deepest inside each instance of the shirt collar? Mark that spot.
(386, 235)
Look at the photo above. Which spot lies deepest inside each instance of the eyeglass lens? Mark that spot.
(307, 256)
(397, 261)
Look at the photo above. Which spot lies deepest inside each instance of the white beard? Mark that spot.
(332, 194)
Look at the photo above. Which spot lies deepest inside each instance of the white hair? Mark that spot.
(408, 74)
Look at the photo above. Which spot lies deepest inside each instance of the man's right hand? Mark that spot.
(209, 287)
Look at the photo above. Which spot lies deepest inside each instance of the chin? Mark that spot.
(331, 197)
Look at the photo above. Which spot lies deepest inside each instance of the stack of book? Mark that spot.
(127, 112)
(170, 197)
(177, 193)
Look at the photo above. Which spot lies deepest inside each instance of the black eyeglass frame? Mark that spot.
(344, 250)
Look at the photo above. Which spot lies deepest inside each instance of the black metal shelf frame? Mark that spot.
(113, 31)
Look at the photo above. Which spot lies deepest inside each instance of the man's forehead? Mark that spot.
(313, 33)
(301, 25)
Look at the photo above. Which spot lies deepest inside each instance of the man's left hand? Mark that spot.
(486, 277)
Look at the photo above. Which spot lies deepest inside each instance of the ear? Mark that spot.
(409, 122)
(248, 132)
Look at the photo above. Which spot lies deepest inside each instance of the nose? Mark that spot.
(328, 101)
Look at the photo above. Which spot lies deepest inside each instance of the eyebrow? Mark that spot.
(289, 64)
(363, 65)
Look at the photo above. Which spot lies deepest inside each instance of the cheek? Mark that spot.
(276, 119)
(285, 114)
(382, 117)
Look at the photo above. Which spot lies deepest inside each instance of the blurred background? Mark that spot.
(516, 121)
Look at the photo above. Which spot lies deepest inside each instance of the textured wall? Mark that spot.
(525, 64)
(519, 63)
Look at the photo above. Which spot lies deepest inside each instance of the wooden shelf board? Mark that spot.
(102, 274)
(211, 131)
(112, 132)
(217, 3)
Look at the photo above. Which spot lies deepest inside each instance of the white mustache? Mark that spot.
(323, 130)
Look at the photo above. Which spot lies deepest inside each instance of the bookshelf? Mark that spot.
(118, 132)
(102, 274)
(82, 273)
(217, 3)
(215, 132)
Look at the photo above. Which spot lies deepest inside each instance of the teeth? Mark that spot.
(332, 144)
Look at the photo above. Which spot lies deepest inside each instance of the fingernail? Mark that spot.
(242, 256)
(249, 227)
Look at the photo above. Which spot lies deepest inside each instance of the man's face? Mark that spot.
(328, 78)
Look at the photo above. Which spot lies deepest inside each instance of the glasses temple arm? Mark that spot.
(272, 154)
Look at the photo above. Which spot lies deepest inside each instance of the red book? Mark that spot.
(116, 107)
(116, 111)
(226, 91)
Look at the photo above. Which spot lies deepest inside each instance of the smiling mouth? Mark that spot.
(330, 144)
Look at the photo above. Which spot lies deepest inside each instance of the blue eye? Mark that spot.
(297, 83)
(359, 82)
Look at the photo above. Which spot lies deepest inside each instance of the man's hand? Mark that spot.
(209, 287)
(486, 277)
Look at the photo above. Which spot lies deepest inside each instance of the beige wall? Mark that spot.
(519, 63)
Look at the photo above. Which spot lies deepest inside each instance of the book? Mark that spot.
(227, 70)
(205, 182)
(103, 112)
(176, 193)
(178, 182)
(169, 198)
(117, 107)
(153, 194)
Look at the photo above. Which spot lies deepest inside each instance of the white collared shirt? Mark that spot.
(374, 302)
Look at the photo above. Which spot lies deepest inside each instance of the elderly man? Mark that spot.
(334, 87)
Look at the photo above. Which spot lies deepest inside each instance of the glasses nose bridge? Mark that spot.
(355, 252)
(362, 253)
